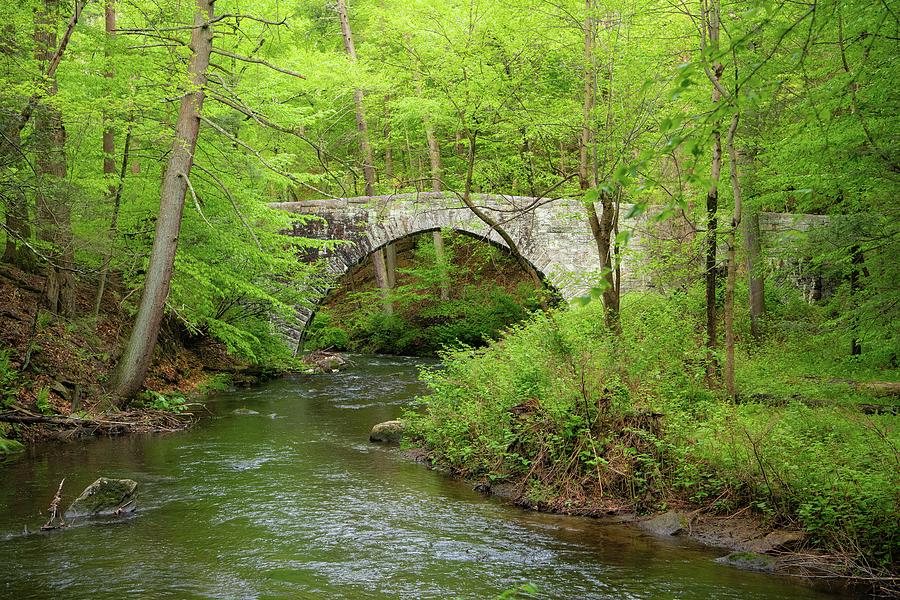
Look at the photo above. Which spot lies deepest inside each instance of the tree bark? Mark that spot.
(756, 278)
(135, 361)
(856, 260)
(381, 279)
(365, 149)
(603, 226)
(388, 148)
(52, 198)
(116, 202)
(18, 228)
(732, 256)
(109, 159)
(710, 24)
(492, 223)
(434, 157)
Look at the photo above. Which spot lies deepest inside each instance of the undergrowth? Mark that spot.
(578, 418)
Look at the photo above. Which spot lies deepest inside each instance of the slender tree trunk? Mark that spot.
(383, 270)
(365, 149)
(109, 159)
(390, 261)
(732, 256)
(52, 198)
(135, 361)
(492, 223)
(434, 157)
(603, 226)
(757, 280)
(856, 260)
(381, 279)
(18, 229)
(388, 148)
(113, 223)
(711, 32)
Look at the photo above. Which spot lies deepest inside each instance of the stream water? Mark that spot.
(294, 502)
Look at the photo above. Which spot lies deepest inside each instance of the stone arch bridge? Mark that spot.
(552, 234)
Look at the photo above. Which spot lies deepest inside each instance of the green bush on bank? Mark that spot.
(576, 415)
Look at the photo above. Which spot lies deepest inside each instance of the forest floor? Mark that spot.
(53, 370)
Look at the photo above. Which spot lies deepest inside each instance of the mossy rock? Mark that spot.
(749, 561)
(389, 432)
(103, 497)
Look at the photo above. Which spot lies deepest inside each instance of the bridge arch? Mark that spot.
(553, 237)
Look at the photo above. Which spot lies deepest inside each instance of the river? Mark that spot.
(295, 503)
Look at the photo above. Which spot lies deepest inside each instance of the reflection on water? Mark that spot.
(293, 502)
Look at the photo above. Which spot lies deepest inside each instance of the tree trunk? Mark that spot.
(116, 202)
(365, 149)
(51, 197)
(711, 32)
(440, 257)
(434, 157)
(388, 148)
(390, 261)
(135, 361)
(601, 227)
(488, 220)
(856, 260)
(757, 280)
(732, 256)
(381, 279)
(109, 159)
(18, 229)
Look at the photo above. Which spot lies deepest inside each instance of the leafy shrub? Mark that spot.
(8, 379)
(172, 402)
(568, 410)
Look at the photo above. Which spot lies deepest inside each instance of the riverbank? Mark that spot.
(575, 420)
(53, 371)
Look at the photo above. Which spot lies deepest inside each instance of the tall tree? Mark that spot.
(52, 197)
(381, 257)
(109, 151)
(709, 47)
(17, 220)
(138, 354)
(732, 253)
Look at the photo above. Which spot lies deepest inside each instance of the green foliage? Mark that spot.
(171, 402)
(568, 410)
(219, 382)
(10, 446)
(42, 401)
(9, 378)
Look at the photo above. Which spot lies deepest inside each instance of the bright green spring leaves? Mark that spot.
(580, 418)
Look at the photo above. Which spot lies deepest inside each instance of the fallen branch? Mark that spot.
(54, 510)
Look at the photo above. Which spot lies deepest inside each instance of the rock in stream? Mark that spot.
(389, 432)
(104, 497)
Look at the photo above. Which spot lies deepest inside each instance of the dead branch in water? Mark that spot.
(53, 509)
(144, 420)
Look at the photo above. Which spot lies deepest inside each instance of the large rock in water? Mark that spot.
(103, 497)
(668, 523)
(389, 432)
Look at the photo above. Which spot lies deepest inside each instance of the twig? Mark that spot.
(54, 510)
